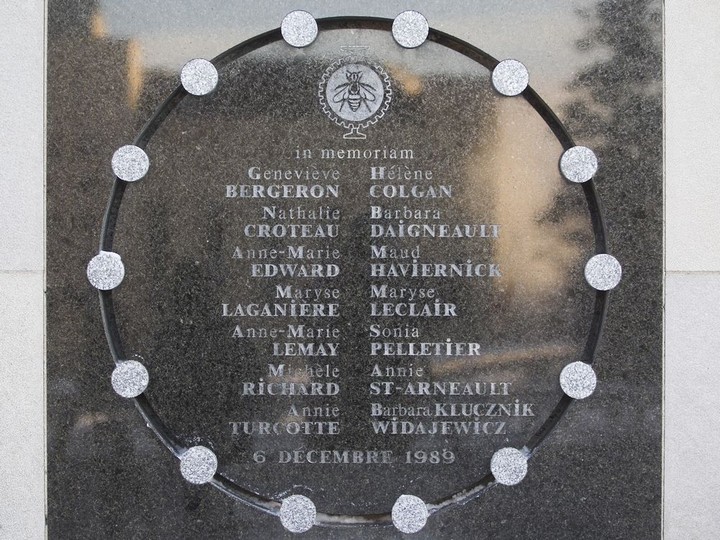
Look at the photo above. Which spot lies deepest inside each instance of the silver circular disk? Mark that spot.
(130, 163)
(410, 29)
(578, 380)
(509, 466)
(409, 514)
(578, 164)
(510, 77)
(199, 77)
(603, 272)
(105, 271)
(299, 28)
(198, 465)
(130, 378)
(297, 513)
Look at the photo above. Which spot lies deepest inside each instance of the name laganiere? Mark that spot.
(283, 309)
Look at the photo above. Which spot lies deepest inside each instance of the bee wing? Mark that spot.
(342, 95)
(367, 96)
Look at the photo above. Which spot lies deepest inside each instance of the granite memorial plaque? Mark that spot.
(357, 274)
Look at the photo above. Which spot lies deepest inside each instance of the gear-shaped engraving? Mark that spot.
(354, 94)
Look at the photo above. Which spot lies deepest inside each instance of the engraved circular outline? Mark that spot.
(330, 113)
(107, 234)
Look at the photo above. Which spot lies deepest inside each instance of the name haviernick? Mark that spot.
(470, 269)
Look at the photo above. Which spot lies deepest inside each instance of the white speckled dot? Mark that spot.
(297, 513)
(578, 164)
(509, 466)
(410, 29)
(130, 163)
(199, 77)
(130, 378)
(299, 28)
(198, 465)
(105, 271)
(578, 380)
(409, 514)
(510, 77)
(603, 272)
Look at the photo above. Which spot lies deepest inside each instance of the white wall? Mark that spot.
(692, 376)
(692, 278)
(22, 280)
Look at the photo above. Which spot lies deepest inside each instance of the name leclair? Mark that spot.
(413, 309)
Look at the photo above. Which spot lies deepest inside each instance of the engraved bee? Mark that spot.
(354, 92)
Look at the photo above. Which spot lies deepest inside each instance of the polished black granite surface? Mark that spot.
(441, 219)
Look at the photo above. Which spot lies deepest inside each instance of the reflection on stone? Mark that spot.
(179, 232)
(451, 231)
